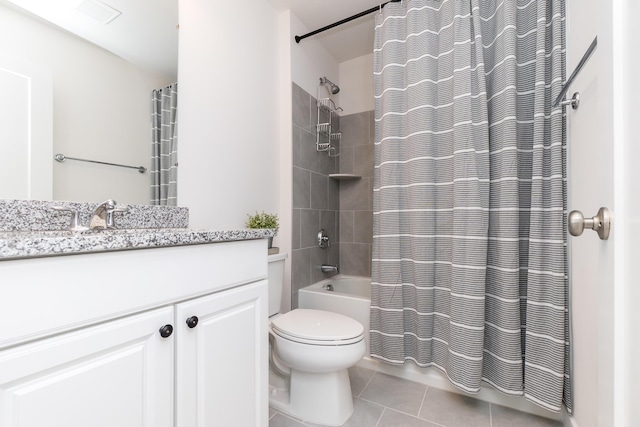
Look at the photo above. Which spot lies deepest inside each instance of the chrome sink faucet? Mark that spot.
(102, 217)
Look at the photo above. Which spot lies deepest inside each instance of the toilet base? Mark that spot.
(321, 398)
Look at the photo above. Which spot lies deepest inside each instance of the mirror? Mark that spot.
(80, 75)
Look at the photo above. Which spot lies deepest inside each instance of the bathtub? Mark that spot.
(351, 296)
(347, 295)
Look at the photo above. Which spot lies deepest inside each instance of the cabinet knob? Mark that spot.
(166, 331)
(192, 321)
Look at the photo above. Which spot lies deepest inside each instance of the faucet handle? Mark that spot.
(111, 223)
(74, 225)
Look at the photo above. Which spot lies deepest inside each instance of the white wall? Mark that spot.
(229, 64)
(310, 61)
(284, 238)
(101, 110)
(356, 81)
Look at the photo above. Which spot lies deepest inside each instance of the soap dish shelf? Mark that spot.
(344, 176)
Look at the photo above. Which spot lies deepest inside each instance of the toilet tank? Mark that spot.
(276, 281)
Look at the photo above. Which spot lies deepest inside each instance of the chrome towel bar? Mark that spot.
(61, 158)
(575, 73)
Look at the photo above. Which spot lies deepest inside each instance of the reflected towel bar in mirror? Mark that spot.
(61, 158)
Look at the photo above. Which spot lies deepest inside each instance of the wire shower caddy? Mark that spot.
(327, 138)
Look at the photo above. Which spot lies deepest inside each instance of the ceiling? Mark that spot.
(153, 43)
(149, 43)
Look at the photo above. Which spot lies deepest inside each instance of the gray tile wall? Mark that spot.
(316, 198)
(356, 197)
(342, 208)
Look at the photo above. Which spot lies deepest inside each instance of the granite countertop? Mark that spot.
(27, 244)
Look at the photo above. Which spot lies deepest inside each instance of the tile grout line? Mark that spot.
(490, 415)
(366, 385)
(424, 396)
(381, 414)
(400, 412)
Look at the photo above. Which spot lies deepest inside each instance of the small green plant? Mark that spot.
(263, 220)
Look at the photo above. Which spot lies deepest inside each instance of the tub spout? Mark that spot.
(329, 268)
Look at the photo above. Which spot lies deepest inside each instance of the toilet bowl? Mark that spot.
(310, 352)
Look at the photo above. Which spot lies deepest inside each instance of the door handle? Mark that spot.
(601, 223)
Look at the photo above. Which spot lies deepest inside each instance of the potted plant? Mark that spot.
(263, 220)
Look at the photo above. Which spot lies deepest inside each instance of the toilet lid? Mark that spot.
(320, 326)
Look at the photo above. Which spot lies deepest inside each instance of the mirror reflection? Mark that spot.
(78, 79)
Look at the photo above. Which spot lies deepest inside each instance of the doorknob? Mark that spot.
(601, 223)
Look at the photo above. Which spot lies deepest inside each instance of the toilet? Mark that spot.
(310, 352)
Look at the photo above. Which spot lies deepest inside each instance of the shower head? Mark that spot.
(332, 87)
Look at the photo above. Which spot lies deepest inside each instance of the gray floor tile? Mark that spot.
(365, 414)
(387, 401)
(391, 418)
(454, 410)
(359, 378)
(507, 417)
(395, 393)
(279, 420)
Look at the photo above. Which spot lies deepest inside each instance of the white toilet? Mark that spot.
(310, 352)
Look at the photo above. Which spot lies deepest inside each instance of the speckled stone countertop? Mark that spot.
(31, 228)
(26, 244)
(38, 215)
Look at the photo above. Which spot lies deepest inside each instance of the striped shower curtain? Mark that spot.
(469, 254)
(164, 146)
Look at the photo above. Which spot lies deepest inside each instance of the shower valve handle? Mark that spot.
(323, 239)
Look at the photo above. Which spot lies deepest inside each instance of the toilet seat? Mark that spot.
(318, 327)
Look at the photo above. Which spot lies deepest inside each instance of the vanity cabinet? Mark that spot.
(115, 374)
(221, 346)
(82, 342)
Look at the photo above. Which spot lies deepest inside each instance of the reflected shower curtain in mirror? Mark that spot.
(164, 145)
(469, 253)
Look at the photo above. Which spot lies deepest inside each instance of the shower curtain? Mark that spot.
(469, 254)
(164, 146)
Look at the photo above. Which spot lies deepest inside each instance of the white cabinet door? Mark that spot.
(222, 365)
(118, 373)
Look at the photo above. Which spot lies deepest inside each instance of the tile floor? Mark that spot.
(382, 400)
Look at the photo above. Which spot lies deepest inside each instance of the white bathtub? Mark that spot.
(350, 296)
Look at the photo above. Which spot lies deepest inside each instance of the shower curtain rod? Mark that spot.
(351, 18)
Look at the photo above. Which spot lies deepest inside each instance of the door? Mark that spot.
(119, 373)
(591, 185)
(221, 360)
(26, 143)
